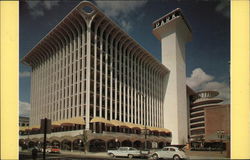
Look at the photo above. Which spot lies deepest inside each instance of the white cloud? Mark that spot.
(24, 74)
(24, 109)
(50, 4)
(38, 8)
(118, 8)
(200, 81)
(197, 78)
(126, 25)
(121, 10)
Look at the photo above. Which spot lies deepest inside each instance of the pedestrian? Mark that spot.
(34, 153)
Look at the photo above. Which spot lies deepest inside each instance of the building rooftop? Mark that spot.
(77, 15)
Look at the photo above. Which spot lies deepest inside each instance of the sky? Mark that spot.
(207, 55)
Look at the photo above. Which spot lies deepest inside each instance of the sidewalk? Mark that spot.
(190, 154)
(88, 154)
(206, 155)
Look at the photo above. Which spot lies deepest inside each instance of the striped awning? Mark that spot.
(116, 123)
(75, 120)
(152, 128)
(100, 120)
(158, 129)
(165, 130)
(34, 127)
(23, 128)
(67, 124)
(57, 123)
(139, 126)
(55, 126)
(126, 125)
(129, 125)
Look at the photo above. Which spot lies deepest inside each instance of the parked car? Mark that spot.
(125, 152)
(48, 149)
(170, 152)
(52, 149)
(55, 149)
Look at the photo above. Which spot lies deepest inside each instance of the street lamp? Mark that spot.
(145, 132)
(116, 140)
(145, 121)
(145, 127)
(80, 141)
(220, 135)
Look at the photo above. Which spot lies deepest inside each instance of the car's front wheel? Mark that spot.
(130, 156)
(155, 156)
(176, 157)
(112, 155)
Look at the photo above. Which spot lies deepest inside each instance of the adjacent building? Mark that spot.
(87, 73)
(23, 121)
(209, 120)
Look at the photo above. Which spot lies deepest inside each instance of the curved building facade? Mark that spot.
(201, 101)
(88, 67)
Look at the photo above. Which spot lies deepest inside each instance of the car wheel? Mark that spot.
(112, 155)
(155, 156)
(130, 156)
(176, 157)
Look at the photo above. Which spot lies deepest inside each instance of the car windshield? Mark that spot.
(55, 147)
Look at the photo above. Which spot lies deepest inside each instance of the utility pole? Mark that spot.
(46, 128)
(44, 140)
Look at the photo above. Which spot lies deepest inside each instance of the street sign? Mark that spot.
(48, 125)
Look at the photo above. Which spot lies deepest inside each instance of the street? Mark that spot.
(65, 156)
(103, 156)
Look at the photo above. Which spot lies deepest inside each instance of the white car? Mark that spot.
(170, 152)
(125, 152)
(47, 150)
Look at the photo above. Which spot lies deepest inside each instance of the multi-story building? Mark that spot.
(89, 74)
(207, 117)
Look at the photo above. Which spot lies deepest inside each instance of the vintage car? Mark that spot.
(129, 152)
(55, 149)
(169, 152)
(51, 149)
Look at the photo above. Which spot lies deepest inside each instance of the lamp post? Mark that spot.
(145, 146)
(116, 140)
(80, 141)
(220, 135)
(145, 127)
(145, 123)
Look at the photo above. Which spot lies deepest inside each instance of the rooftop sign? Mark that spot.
(170, 17)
